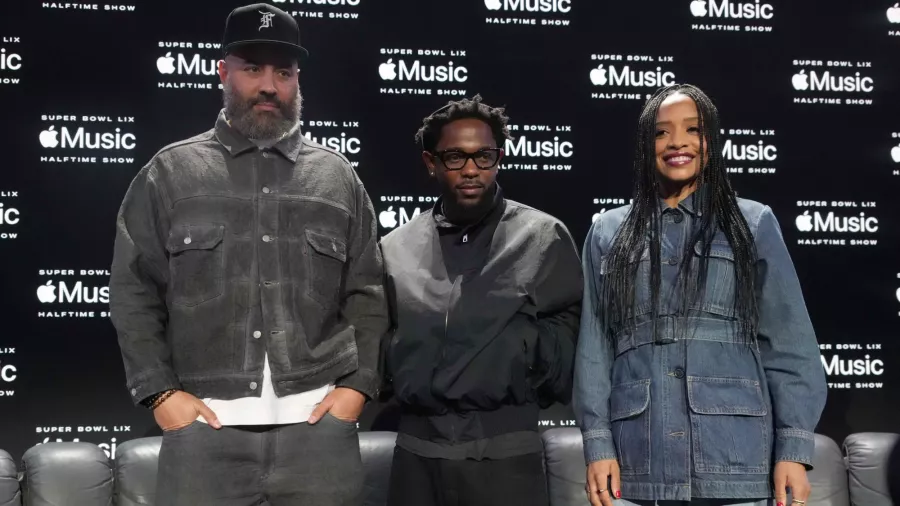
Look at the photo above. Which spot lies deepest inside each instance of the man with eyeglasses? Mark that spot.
(485, 298)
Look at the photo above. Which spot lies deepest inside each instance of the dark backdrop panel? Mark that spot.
(574, 76)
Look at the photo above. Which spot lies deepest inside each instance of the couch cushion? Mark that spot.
(74, 474)
(564, 466)
(136, 463)
(867, 457)
(9, 482)
(377, 450)
(828, 478)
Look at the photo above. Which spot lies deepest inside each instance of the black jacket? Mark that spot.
(493, 341)
(225, 252)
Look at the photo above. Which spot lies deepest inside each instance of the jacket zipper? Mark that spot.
(446, 329)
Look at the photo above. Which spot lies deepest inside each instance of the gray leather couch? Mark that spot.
(79, 474)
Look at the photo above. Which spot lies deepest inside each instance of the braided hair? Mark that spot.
(429, 134)
(717, 208)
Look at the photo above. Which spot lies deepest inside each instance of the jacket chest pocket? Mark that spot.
(641, 284)
(196, 263)
(718, 292)
(729, 427)
(629, 415)
(326, 256)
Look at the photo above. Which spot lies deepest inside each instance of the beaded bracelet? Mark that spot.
(160, 398)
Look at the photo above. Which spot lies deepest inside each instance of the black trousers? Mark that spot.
(420, 481)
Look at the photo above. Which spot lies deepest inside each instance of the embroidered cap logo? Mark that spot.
(266, 19)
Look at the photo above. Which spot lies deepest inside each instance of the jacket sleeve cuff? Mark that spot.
(364, 381)
(795, 445)
(598, 445)
(153, 382)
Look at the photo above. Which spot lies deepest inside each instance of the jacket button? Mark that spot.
(679, 218)
(673, 261)
(253, 385)
(679, 372)
(134, 391)
(187, 240)
(266, 238)
(266, 189)
(257, 334)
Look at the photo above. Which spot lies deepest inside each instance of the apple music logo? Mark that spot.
(197, 69)
(749, 151)
(851, 218)
(107, 437)
(396, 211)
(839, 78)
(539, 148)
(521, 12)
(895, 153)
(333, 9)
(423, 72)
(853, 360)
(618, 80)
(8, 372)
(607, 204)
(10, 60)
(893, 17)
(732, 14)
(86, 135)
(68, 292)
(341, 136)
(9, 215)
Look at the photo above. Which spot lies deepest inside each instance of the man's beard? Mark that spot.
(261, 125)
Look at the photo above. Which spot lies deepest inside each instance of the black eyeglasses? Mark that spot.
(456, 159)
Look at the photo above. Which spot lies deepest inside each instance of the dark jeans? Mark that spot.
(420, 481)
(286, 465)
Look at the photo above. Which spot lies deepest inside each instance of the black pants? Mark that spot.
(420, 481)
(286, 465)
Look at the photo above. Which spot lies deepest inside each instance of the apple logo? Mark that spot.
(596, 215)
(388, 219)
(166, 64)
(49, 138)
(895, 153)
(598, 76)
(493, 5)
(800, 81)
(894, 13)
(47, 293)
(387, 70)
(898, 295)
(698, 8)
(804, 222)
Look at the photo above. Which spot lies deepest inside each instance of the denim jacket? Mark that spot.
(696, 412)
(226, 253)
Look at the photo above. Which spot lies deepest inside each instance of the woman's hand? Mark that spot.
(793, 475)
(603, 482)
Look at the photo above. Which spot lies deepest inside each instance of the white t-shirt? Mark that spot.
(267, 409)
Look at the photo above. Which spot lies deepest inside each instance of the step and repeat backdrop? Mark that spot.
(89, 91)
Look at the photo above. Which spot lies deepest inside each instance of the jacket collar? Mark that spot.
(236, 143)
(689, 204)
(441, 221)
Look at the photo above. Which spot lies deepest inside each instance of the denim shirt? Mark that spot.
(695, 412)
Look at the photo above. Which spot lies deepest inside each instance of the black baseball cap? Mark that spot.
(262, 24)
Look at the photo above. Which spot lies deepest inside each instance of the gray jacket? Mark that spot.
(225, 253)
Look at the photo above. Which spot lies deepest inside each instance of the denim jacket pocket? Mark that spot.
(718, 297)
(196, 262)
(730, 429)
(629, 416)
(326, 257)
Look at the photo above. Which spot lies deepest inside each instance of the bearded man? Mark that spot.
(247, 293)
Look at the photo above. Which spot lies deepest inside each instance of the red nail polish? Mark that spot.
(781, 504)
(618, 494)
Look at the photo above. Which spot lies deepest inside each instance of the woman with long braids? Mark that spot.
(697, 376)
